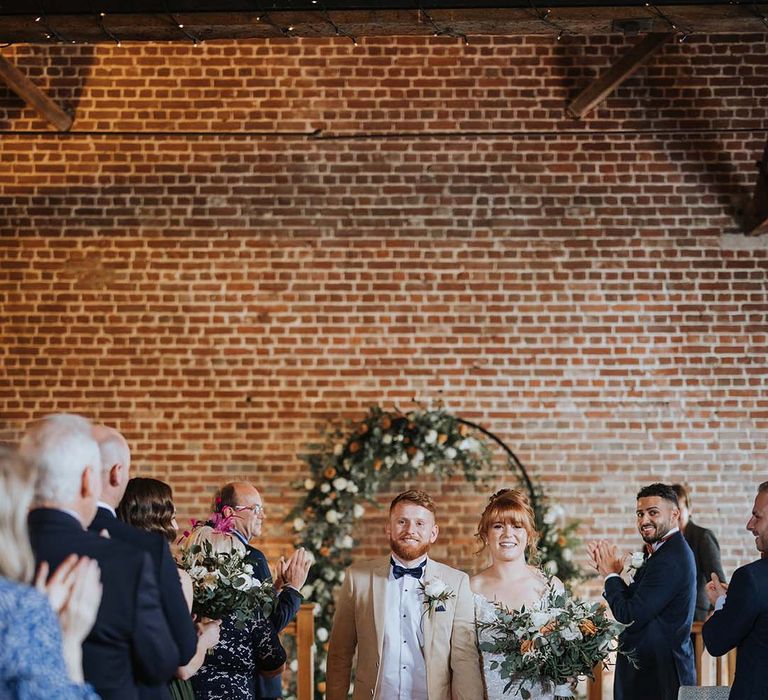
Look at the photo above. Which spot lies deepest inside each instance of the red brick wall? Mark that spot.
(192, 265)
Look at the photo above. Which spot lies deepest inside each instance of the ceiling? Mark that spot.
(95, 21)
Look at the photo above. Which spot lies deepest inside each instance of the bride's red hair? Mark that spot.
(509, 506)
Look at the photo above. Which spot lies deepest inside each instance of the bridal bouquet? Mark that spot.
(222, 580)
(554, 641)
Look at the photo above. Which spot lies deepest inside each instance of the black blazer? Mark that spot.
(706, 552)
(659, 605)
(743, 623)
(172, 599)
(288, 604)
(130, 639)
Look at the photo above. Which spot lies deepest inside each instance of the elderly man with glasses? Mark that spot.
(242, 502)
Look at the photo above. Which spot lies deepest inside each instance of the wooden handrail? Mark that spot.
(303, 629)
(715, 671)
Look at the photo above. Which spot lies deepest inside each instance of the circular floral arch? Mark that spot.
(352, 466)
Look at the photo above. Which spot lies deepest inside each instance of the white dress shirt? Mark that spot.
(403, 669)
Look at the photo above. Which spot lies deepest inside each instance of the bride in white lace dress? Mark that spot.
(507, 531)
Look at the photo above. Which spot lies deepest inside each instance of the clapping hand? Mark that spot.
(293, 572)
(715, 588)
(74, 592)
(605, 558)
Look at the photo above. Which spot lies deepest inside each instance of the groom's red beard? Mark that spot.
(408, 552)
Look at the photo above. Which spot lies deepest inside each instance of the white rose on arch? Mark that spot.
(333, 517)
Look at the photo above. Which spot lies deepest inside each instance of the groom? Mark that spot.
(410, 645)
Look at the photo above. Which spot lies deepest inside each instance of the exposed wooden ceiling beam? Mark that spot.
(757, 213)
(34, 96)
(359, 23)
(604, 85)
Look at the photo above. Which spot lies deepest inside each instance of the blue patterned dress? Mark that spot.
(231, 667)
(31, 660)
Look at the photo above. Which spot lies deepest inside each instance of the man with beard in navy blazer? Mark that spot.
(740, 619)
(115, 472)
(658, 605)
(130, 639)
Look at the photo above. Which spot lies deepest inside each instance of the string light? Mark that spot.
(684, 31)
(50, 32)
(543, 16)
(339, 31)
(105, 30)
(441, 31)
(757, 12)
(265, 17)
(180, 25)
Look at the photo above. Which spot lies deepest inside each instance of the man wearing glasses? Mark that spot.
(242, 502)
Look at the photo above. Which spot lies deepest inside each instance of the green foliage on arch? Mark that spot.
(350, 469)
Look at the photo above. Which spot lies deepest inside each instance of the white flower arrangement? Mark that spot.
(222, 580)
(635, 563)
(435, 594)
(553, 642)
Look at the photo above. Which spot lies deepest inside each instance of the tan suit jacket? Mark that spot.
(450, 651)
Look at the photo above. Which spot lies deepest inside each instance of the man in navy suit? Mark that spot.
(741, 617)
(115, 472)
(242, 502)
(130, 639)
(658, 605)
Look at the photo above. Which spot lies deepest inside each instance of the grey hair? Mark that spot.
(113, 447)
(16, 483)
(60, 447)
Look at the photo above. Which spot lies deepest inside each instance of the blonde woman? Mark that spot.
(40, 653)
(508, 533)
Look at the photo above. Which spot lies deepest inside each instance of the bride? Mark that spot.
(507, 531)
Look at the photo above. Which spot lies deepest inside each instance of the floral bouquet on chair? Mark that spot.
(222, 580)
(554, 641)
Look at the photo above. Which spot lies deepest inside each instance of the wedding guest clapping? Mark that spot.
(130, 641)
(40, 655)
(658, 605)
(147, 504)
(115, 473)
(241, 503)
(508, 532)
(740, 619)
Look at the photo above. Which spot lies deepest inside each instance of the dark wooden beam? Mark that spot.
(757, 212)
(367, 22)
(34, 96)
(603, 86)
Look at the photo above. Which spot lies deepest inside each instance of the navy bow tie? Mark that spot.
(400, 571)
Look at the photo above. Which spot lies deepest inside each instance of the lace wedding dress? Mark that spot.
(485, 611)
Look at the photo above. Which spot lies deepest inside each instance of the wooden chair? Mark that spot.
(303, 630)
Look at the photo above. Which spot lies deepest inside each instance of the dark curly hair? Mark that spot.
(664, 491)
(148, 505)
